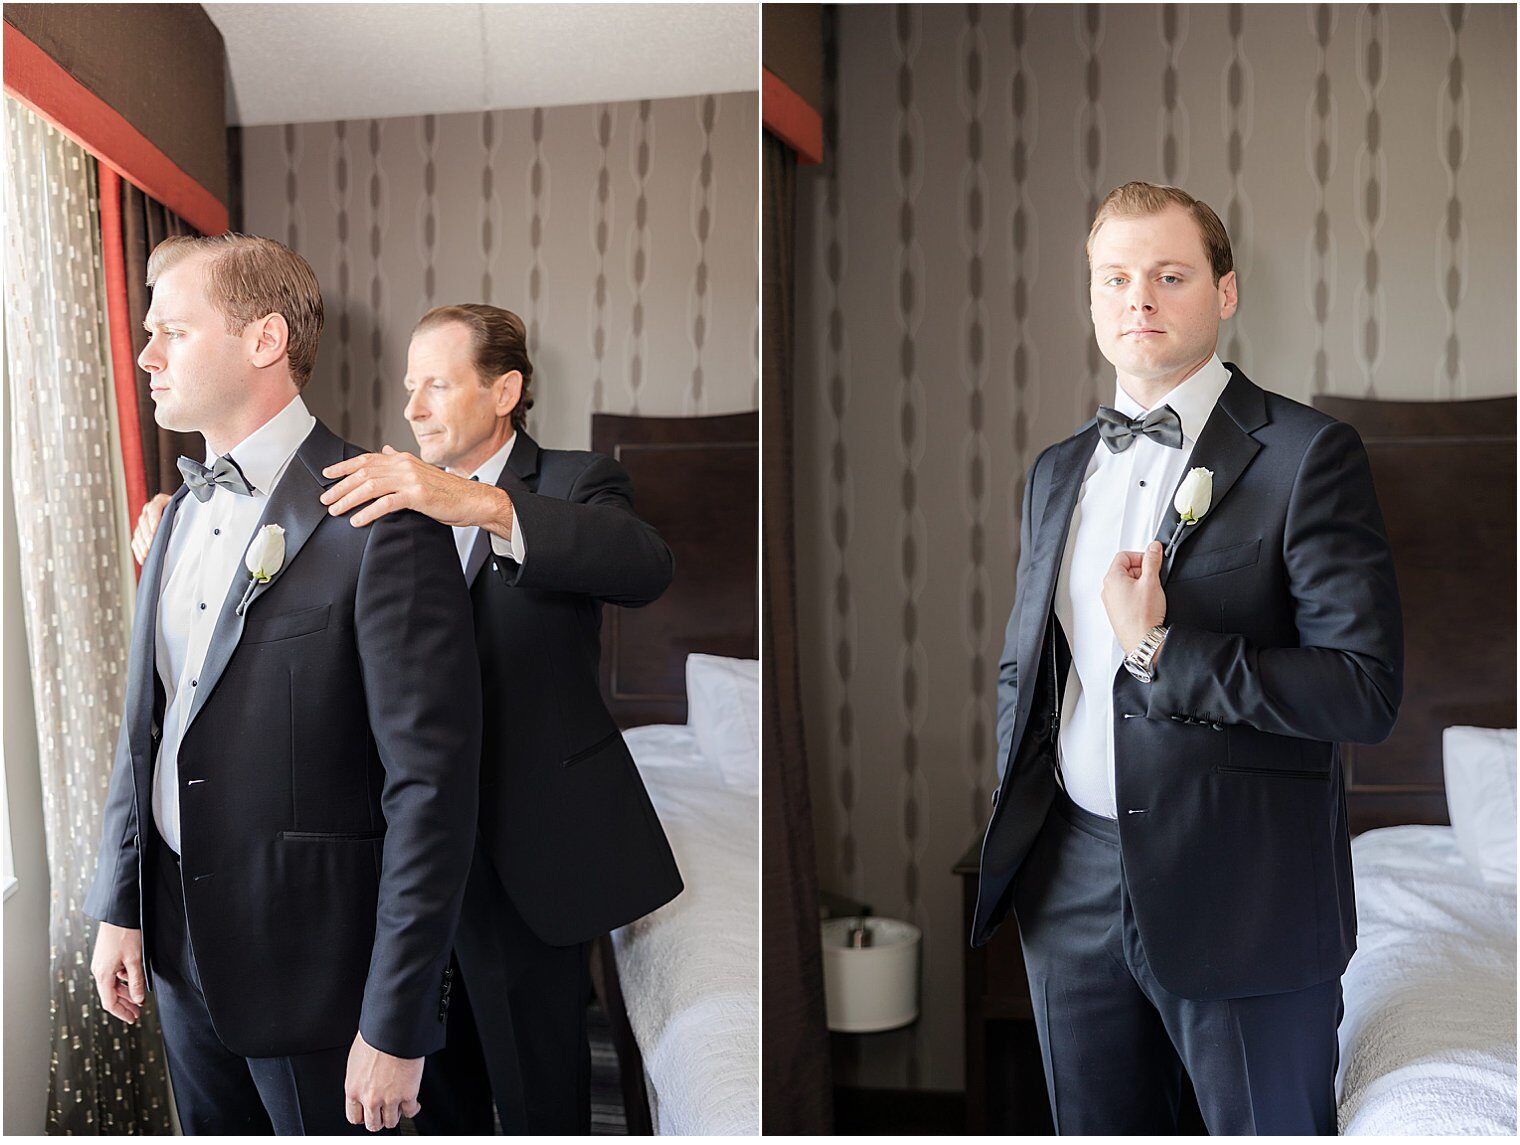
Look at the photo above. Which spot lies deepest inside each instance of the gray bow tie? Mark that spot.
(202, 481)
(1161, 425)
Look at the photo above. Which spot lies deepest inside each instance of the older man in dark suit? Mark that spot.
(569, 845)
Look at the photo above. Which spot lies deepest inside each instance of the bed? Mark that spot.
(691, 970)
(1428, 1035)
(681, 986)
(1429, 1032)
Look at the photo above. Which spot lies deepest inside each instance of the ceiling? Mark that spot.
(304, 63)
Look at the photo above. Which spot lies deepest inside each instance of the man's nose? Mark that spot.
(415, 410)
(150, 359)
(1140, 299)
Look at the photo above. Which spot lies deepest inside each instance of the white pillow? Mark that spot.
(1480, 794)
(723, 712)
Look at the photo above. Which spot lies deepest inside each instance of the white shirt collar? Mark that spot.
(490, 471)
(1192, 400)
(265, 452)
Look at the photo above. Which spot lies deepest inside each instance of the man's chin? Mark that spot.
(431, 452)
(168, 418)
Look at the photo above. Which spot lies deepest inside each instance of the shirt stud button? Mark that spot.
(1142, 484)
(203, 606)
(216, 532)
(194, 683)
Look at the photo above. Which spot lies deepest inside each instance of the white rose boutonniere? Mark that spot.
(1194, 496)
(264, 557)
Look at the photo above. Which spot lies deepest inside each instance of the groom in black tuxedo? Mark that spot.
(569, 846)
(1205, 607)
(287, 830)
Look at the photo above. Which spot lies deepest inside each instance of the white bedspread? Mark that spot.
(690, 971)
(1428, 1037)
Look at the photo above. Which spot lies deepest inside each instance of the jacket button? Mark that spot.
(1182, 718)
(1217, 727)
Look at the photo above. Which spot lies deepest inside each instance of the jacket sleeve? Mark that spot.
(1344, 680)
(115, 896)
(415, 633)
(591, 543)
(1008, 666)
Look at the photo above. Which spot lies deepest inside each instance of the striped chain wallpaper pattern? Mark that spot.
(1362, 157)
(621, 233)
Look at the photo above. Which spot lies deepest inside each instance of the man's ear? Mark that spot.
(510, 393)
(267, 339)
(1229, 299)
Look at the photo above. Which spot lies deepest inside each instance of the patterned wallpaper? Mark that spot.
(625, 234)
(1363, 159)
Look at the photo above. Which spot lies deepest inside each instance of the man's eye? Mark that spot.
(1113, 281)
(1170, 278)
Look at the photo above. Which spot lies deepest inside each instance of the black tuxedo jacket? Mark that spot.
(1286, 638)
(563, 811)
(328, 780)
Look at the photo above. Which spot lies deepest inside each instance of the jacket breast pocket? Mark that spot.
(286, 625)
(1211, 562)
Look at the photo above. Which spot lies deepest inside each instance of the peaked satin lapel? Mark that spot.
(1225, 447)
(143, 657)
(294, 505)
(519, 474)
(1068, 467)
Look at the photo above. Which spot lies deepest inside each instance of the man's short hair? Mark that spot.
(1137, 200)
(500, 341)
(247, 278)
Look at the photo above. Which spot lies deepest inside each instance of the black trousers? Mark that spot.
(216, 1090)
(517, 1025)
(1115, 1041)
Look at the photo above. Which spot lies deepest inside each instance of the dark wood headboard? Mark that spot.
(1445, 477)
(696, 480)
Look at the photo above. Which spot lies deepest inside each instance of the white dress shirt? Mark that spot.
(1123, 500)
(464, 535)
(205, 554)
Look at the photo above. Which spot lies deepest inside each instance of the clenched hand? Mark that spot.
(117, 967)
(380, 1089)
(1133, 596)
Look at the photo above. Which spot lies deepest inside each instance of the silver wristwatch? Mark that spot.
(1139, 661)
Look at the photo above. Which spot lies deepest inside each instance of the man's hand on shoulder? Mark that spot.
(379, 1089)
(147, 525)
(391, 479)
(117, 967)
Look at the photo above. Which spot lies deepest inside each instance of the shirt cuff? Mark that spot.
(513, 548)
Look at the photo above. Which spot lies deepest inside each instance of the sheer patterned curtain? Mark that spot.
(105, 1077)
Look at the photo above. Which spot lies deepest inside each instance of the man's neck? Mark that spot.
(1150, 392)
(483, 452)
(230, 433)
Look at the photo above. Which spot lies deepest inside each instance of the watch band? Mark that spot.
(1138, 662)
